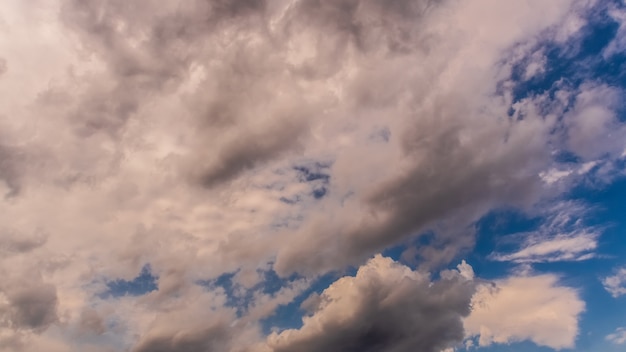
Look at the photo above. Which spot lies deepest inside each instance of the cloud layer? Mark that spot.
(213, 139)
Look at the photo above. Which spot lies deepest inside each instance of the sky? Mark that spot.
(312, 175)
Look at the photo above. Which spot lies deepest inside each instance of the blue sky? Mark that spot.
(306, 176)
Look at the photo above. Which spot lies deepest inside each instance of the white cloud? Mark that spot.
(554, 175)
(563, 237)
(594, 129)
(616, 284)
(567, 247)
(534, 308)
(618, 44)
(618, 337)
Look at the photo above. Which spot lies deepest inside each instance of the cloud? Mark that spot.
(562, 237)
(518, 308)
(28, 307)
(463, 158)
(574, 246)
(176, 135)
(616, 284)
(31, 305)
(618, 337)
(594, 129)
(618, 43)
(385, 307)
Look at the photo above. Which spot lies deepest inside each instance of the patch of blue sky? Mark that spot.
(144, 283)
(240, 297)
(317, 175)
(234, 297)
(314, 173)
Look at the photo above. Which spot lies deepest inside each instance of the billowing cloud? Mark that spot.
(616, 284)
(385, 307)
(518, 308)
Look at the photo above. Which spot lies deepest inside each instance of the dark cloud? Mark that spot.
(199, 341)
(4, 67)
(390, 309)
(16, 242)
(213, 338)
(10, 169)
(32, 304)
(249, 149)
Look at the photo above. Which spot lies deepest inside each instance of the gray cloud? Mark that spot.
(10, 171)
(14, 242)
(91, 321)
(4, 67)
(213, 338)
(390, 309)
(150, 50)
(32, 304)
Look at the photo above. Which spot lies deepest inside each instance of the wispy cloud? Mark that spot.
(562, 237)
(618, 337)
(616, 284)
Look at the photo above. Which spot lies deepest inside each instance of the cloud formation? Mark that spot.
(384, 307)
(616, 284)
(618, 337)
(209, 138)
(563, 237)
(535, 308)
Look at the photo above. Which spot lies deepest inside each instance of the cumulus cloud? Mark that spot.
(385, 307)
(616, 284)
(518, 308)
